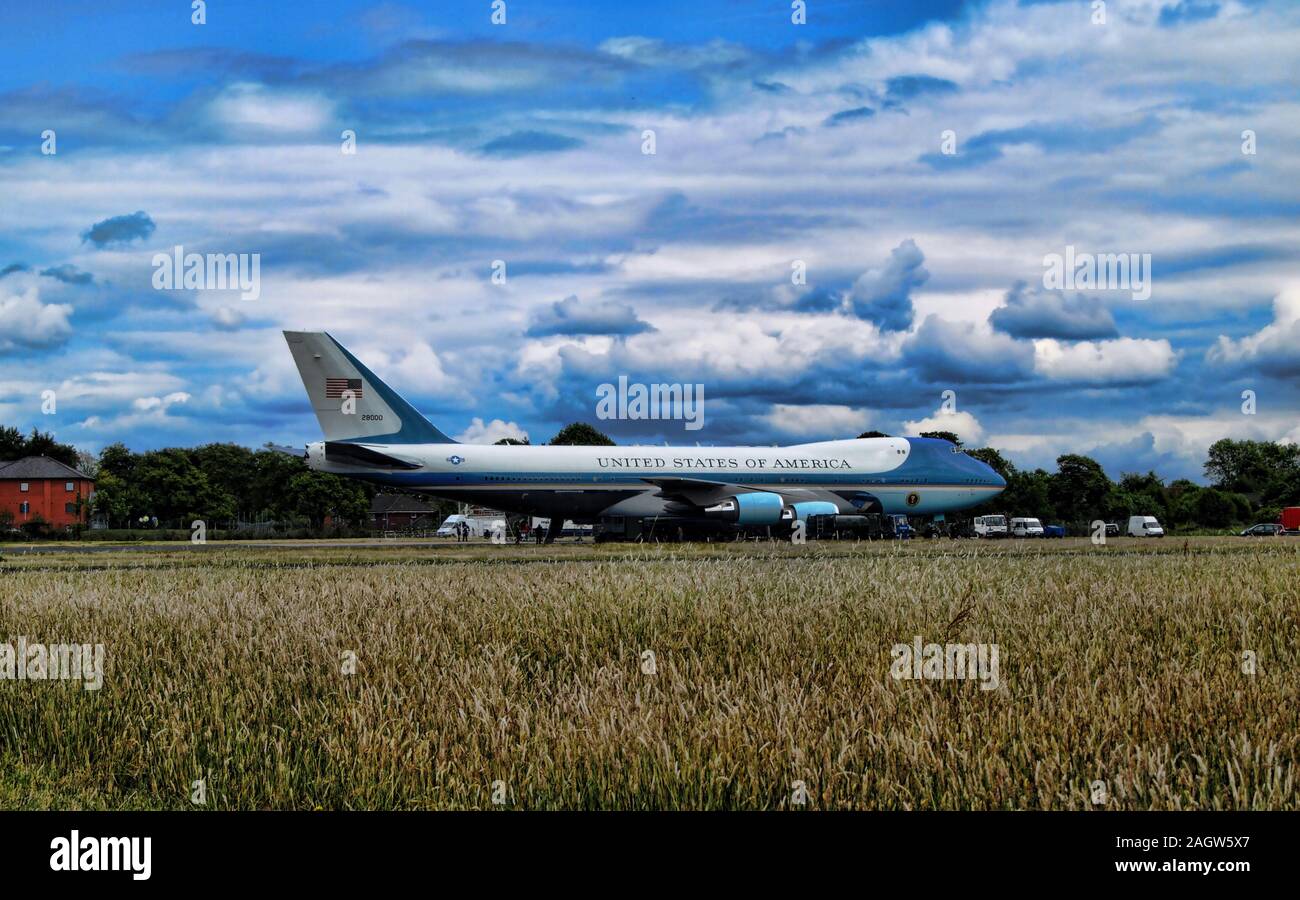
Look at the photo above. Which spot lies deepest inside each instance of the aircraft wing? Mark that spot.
(696, 491)
(703, 492)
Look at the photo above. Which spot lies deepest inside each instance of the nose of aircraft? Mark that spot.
(992, 475)
(965, 468)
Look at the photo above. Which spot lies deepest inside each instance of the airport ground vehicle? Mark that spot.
(1023, 527)
(1144, 526)
(567, 528)
(478, 526)
(990, 526)
(1053, 531)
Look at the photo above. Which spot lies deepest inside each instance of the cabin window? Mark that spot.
(69, 486)
(23, 486)
(24, 508)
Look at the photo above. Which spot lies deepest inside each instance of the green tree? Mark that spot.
(320, 494)
(515, 442)
(14, 446)
(116, 459)
(1250, 467)
(112, 499)
(1080, 488)
(949, 436)
(11, 443)
(581, 434)
(1215, 508)
(872, 434)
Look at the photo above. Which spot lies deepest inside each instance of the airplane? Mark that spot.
(372, 434)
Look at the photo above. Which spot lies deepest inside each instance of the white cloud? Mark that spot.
(26, 322)
(490, 433)
(961, 423)
(818, 419)
(247, 107)
(1275, 347)
(1098, 362)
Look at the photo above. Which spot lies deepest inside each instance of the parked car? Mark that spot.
(1112, 530)
(1267, 529)
(1144, 526)
(990, 526)
(1026, 528)
(1053, 531)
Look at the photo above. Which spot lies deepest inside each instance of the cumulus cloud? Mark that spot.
(120, 229)
(823, 420)
(573, 316)
(966, 352)
(227, 318)
(1126, 360)
(884, 295)
(961, 423)
(491, 432)
(159, 404)
(27, 323)
(1274, 349)
(1036, 313)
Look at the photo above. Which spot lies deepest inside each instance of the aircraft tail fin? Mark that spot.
(350, 403)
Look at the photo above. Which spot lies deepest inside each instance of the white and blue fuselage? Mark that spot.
(373, 434)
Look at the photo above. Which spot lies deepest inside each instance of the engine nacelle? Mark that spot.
(758, 508)
(806, 508)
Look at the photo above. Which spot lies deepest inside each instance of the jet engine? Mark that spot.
(802, 510)
(758, 508)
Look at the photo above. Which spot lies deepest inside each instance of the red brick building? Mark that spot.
(396, 511)
(37, 487)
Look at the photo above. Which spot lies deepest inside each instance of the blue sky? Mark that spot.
(777, 146)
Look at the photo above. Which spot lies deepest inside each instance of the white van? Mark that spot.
(990, 526)
(1144, 526)
(1026, 528)
(479, 526)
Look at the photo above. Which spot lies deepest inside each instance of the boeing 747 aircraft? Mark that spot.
(373, 434)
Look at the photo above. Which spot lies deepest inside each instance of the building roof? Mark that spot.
(35, 468)
(389, 503)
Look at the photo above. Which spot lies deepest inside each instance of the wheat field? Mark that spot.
(747, 676)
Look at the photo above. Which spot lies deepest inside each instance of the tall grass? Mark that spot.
(525, 666)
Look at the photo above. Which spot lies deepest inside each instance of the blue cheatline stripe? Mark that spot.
(416, 429)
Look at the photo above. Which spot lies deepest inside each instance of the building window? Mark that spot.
(23, 486)
(70, 508)
(69, 486)
(24, 507)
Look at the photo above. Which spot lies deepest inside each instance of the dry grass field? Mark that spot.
(521, 672)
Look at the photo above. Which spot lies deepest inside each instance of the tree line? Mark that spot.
(227, 485)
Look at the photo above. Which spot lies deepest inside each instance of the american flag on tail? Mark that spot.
(334, 387)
